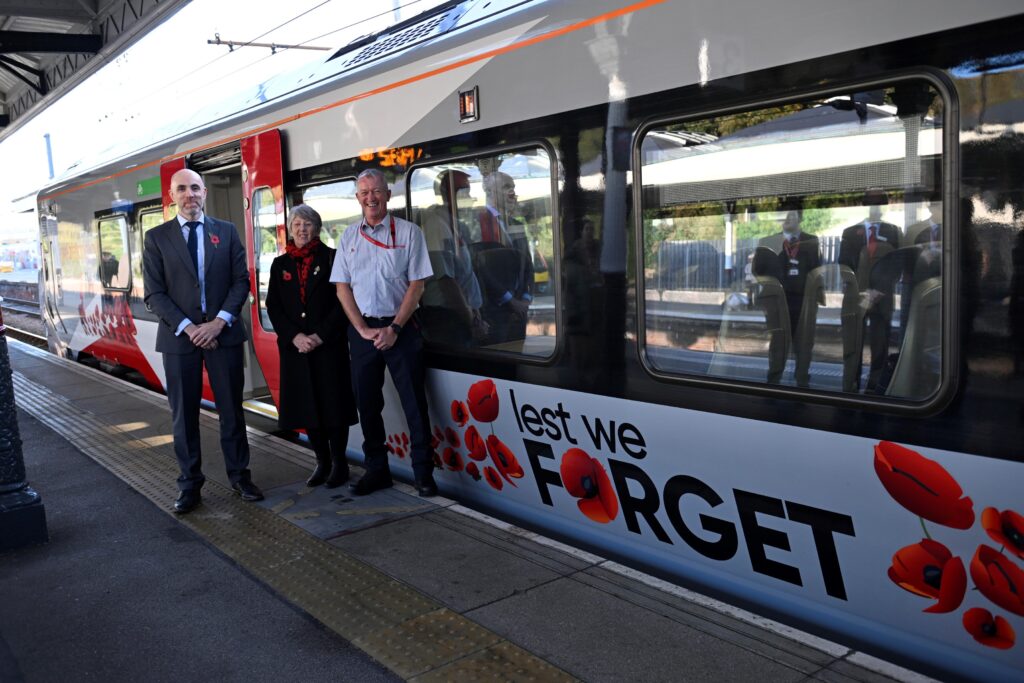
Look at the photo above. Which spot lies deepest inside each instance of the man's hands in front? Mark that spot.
(204, 335)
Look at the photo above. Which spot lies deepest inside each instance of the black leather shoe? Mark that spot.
(320, 474)
(426, 486)
(187, 501)
(339, 474)
(372, 481)
(248, 491)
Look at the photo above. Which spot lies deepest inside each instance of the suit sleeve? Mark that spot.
(238, 292)
(155, 282)
(283, 326)
(847, 255)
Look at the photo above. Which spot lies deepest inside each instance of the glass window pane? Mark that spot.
(114, 263)
(336, 203)
(799, 245)
(488, 225)
(264, 221)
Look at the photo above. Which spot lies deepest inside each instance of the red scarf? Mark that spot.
(303, 258)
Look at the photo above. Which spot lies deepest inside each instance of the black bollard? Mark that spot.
(22, 517)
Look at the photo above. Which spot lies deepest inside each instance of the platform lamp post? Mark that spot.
(22, 517)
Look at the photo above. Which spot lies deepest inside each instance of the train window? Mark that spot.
(336, 203)
(798, 245)
(145, 221)
(114, 267)
(264, 222)
(488, 225)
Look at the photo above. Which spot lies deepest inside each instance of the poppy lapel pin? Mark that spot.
(214, 240)
(286, 275)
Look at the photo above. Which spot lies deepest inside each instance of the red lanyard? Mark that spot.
(378, 243)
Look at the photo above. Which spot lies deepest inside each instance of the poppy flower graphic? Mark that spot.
(459, 414)
(214, 240)
(483, 401)
(452, 459)
(584, 478)
(286, 276)
(1005, 528)
(922, 486)
(452, 437)
(988, 630)
(405, 439)
(998, 579)
(928, 569)
(473, 471)
(475, 444)
(491, 475)
(504, 459)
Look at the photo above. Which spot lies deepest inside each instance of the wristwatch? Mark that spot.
(396, 327)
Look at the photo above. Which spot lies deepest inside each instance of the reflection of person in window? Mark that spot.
(864, 245)
(789, 256)
(108, 268)
(450, 307)
(503, 260)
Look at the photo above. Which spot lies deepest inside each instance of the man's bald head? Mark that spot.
(188, 192)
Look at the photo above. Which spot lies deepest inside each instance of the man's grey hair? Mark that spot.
(373, 173)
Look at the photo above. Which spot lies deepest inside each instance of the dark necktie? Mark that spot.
(193, 243)
(872, 240)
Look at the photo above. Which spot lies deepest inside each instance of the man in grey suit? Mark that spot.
(197, 282)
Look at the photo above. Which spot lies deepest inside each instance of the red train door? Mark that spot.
(263, 192)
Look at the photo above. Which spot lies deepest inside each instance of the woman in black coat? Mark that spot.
(316, 382)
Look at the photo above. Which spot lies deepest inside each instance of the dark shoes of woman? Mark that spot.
(339, 472)
(321, 474)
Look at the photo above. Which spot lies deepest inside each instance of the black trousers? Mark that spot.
(405, 362)
(185, 391)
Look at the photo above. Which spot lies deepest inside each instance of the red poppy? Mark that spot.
(452, 436)
(459, 414)
(452, 459)
(584, 478)
(214, 240)
(988, 630)
(1006, 528)
(504, 459)
(998, 579)
(405, 439)
(475, 444)
(434, 443)
(491, 475)
(922, 486)
(928, 569)
(473, 471)
(438, 433)
(399, 451)
(286, 276)
(483, 401)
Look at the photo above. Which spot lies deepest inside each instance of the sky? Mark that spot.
(143, 90)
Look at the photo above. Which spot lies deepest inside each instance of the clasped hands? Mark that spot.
(204, 335)
(307, 342)
(382, 337)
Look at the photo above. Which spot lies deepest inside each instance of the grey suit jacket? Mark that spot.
(172, 284)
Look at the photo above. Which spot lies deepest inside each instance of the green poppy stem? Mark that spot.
(925, 529)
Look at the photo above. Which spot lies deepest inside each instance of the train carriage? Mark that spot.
(834, 443)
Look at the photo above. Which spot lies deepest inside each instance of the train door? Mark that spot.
(222, 173)
(263, 188)
(51, 287)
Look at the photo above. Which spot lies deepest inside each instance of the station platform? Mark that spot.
(315, 584)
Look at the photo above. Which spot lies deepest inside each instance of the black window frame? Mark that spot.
(949, 378)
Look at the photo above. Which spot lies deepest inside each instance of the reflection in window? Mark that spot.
(799, 245)
(264, 222)
(145, 221)
(113, 266)
(487, 223)
(338, 208)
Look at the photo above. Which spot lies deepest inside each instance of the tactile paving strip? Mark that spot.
(406, 631)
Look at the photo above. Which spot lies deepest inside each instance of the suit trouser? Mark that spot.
(405, 362)
(224, 366)
(879, 323)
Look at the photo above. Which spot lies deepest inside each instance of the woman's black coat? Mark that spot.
(316, 387)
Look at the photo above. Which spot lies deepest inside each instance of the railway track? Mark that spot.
(21, 306)
(25, 336)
